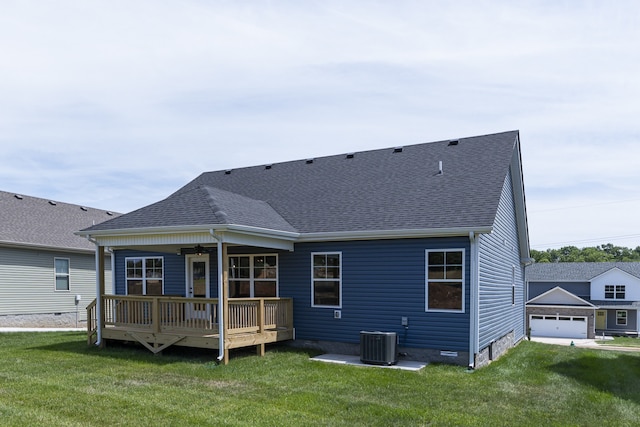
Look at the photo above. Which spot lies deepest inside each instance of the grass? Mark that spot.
(55, 379)
(621, 342)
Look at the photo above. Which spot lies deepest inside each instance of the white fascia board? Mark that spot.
(240, 234)
(517, 183)
(614, 268)
(560, 290)
(392, 234)
(583, 307)
(618, 307)
(46, 247)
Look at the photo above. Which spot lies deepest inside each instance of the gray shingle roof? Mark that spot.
(576, 271)
(32, 221)
(373, 190)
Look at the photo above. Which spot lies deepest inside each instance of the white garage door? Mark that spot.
(558, 326)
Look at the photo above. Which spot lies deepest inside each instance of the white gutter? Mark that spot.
(391, 234)
(202, 228)
(474, 320)
(98, 296)
(220, 302)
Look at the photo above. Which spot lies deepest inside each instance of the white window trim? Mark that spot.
(313, 279)
(144, 274)
(56, 275)
(251, 276)
(426, 281)
(626, 318)
(616, 292)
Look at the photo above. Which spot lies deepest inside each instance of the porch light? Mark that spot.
(199, 250)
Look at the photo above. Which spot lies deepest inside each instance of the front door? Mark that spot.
(601, 319)
(197, 285)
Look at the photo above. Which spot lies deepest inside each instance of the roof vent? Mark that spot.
(18, 196)
(52, 203)
(227, 172)
(440, 170)
(309, 161)
(397, 150)
(454, 142)
(350, 155)
(267, 167)
(109, 213)
(83, 208)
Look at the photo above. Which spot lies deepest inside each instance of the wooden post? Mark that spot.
(225, 301)
(101, 291)
(155, 315)
(260, 347)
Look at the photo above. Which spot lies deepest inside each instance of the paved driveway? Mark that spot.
(583, 343)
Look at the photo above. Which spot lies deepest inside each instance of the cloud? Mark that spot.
(117, 104)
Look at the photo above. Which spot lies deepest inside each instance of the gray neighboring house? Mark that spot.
(583, 299)
(46, 269)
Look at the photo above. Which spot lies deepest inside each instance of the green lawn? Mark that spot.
(54, 379)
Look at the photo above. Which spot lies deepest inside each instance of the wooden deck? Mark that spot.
(162, 321)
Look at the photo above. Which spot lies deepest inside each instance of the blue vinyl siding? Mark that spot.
(632, 321)
(498, 252)
(382, 281)
(581, 289)
(174, 271)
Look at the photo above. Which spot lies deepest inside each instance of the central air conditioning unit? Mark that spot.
(378, 348)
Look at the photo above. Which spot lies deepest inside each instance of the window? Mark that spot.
(621, 317)
(614, 291)
(145, 276)
(62, 273)
(445, 280)
(253, 276)
(326, 286)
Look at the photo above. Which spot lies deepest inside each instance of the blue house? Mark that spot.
(428, 241)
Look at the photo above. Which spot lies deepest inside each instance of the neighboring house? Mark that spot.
(44, 267)
(428, 241)
(583, 299)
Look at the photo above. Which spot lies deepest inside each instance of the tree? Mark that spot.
(602, 253)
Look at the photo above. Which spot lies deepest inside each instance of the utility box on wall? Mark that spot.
(378, 348)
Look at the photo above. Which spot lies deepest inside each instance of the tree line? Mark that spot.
(602, 253)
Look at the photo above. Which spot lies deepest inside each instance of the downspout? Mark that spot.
(474, 304)
(220, 302)
(98, 296)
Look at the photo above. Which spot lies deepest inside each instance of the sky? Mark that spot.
(117, 104)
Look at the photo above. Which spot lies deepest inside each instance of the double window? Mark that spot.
(614, 291)
(445, 280)
(253, 276)
(145, 275)
(326, 285)
(62, 273)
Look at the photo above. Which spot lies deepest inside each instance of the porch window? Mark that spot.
(145, 275)
(614, 291)
(326, 286)
(62, 273)
(253, 276)
(445, 280)
(621, 317)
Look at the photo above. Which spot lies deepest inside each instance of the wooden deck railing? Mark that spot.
(164, 314)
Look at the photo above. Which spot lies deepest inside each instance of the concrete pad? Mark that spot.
(406, 365)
